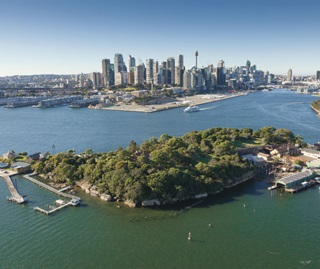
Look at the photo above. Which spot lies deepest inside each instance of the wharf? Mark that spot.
(48, 212)
(300, 187)
(15, 196)
(58, 192)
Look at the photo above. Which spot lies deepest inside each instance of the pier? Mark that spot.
(48, 212)
(15, 196)
(60, 193)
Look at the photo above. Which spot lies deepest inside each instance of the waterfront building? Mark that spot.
(294, 180)
(258, 77)
(289, 75)
(221, 76)
(119, 63)
(149, 70)
(106, 72)
(170, 70)
(131, 63)
(180, 61)
(139, 74)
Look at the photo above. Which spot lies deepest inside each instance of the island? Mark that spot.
(170, 169)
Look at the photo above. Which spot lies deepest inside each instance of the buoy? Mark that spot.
(210, 225)
(244, 205)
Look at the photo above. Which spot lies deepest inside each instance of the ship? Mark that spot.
(192, 109)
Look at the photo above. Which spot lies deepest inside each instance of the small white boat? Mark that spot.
(74, 202)
(192, 109)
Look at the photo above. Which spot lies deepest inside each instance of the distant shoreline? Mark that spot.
(179, 102)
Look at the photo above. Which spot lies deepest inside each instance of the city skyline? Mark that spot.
(69, 38)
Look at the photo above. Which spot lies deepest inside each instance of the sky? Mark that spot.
(73, 36)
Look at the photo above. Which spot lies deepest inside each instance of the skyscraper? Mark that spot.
(170, 70)
(196, 54)
(289, 75)
(149, 70)
(131, 63)
(180, 61)
(106, 72)
(221, 76)
(118, 63)
(139, 74)
(318, 75)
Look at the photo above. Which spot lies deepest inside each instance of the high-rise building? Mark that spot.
(119, 63)
(170, 70)
(221, 76)
(318, 75)
(187, 79)
(139, 74)
(177, 77)
(149, 70)
(95, 78)
(248, 65)
(131, 63)
(106, 72)
(289, 75)
(180, 61)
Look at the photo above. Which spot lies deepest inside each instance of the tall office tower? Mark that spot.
(131, 63)
(119, 63)
(139, 74)
(289, 75)
(221, 76)
(81, 80)
(177, 79)
(180, 61)
(196, 54)
(155, 69)
(170, 70)
(95, 78)
(149, 70)
(111, 74)
(318, 75)
(131, 77)
(187, 79)
(248, 65)
(106, 72)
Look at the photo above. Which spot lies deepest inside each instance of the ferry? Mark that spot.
(192, 109)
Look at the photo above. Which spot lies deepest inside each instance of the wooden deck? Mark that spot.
(58, 192)
(15, 196)
(48, 212)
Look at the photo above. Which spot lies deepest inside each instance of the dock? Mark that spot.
(48, 212)
(58, 192)
(15, 196)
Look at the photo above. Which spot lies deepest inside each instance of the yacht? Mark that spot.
(192, 109)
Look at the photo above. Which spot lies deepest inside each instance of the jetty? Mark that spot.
(15, 196)
(58, 192)
(48, 212)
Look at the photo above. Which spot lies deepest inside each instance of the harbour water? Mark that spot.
(250, 227)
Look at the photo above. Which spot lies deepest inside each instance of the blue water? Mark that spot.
(273, 229)
(32, 130)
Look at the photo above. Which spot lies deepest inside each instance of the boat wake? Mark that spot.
(209, 108)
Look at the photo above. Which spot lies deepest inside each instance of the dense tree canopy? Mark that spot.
(168, 168)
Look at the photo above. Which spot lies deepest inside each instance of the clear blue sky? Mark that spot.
(73, 36)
